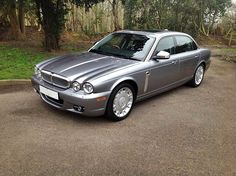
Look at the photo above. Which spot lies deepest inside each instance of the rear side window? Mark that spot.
(184, 44)
(166, 44)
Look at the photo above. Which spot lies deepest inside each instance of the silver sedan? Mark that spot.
(119, 70)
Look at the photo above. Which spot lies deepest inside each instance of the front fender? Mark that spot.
(122, 80)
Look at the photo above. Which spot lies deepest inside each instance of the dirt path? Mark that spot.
(183, 132)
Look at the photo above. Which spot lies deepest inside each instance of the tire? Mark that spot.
(198, 76)
(123, 95)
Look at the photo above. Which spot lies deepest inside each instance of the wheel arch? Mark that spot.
(128, 80)
(201, 63)
(109, 111)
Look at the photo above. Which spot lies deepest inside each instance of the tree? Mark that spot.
(191, 16)
(207, 14)
(228, 24)
(51, 15)
(21, 13)
(115, 13)
(13, 12)
(15, 27)
(9, 9)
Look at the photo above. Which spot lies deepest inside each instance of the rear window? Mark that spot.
(184, 44)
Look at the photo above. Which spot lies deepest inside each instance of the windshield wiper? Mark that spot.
(134, 59)
(97, 51)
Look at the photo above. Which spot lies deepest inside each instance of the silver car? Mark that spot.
(119, 70)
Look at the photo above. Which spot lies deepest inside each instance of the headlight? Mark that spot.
(37, 72)
(88, 88)
(76, 86)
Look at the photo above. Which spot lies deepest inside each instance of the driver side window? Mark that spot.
(166, 44)
(114, 42)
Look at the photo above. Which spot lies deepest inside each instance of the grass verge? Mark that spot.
(226, 54)
(18, 62)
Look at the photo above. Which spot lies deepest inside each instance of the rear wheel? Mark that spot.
(121, 102)
(198, 76)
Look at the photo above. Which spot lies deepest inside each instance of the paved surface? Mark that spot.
(183, 132)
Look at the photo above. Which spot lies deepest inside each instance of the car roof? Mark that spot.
(153, 33)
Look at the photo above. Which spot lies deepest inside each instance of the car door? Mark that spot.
(164, 72)
(188, 53)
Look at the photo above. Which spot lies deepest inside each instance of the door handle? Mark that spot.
(196, 57)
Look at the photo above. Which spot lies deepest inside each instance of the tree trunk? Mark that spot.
(211, 25)
(47, 15)
(51, 42)
(22, 16)
(115, 14)
(15, 28)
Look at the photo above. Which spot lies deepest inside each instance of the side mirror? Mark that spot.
(162, 55)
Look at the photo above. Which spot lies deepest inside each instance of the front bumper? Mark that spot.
(93, 104)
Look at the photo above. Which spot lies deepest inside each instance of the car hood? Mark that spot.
(86, 65)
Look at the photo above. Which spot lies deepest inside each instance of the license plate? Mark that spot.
(48, 92)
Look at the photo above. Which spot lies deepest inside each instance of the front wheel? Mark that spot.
(198, 76)
(121, 102)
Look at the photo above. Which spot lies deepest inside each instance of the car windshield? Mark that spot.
(128, 46)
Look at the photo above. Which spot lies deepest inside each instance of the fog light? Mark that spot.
(78, 108)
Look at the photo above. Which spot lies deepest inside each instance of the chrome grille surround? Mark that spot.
(55, 79)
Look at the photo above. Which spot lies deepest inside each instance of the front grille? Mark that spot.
(59, 81)
(46, 76)
(55, 79)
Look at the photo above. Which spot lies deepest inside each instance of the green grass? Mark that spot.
(228, 50)
(16, 63)
(228, 54)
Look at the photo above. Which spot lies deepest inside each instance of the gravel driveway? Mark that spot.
(183, 132)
